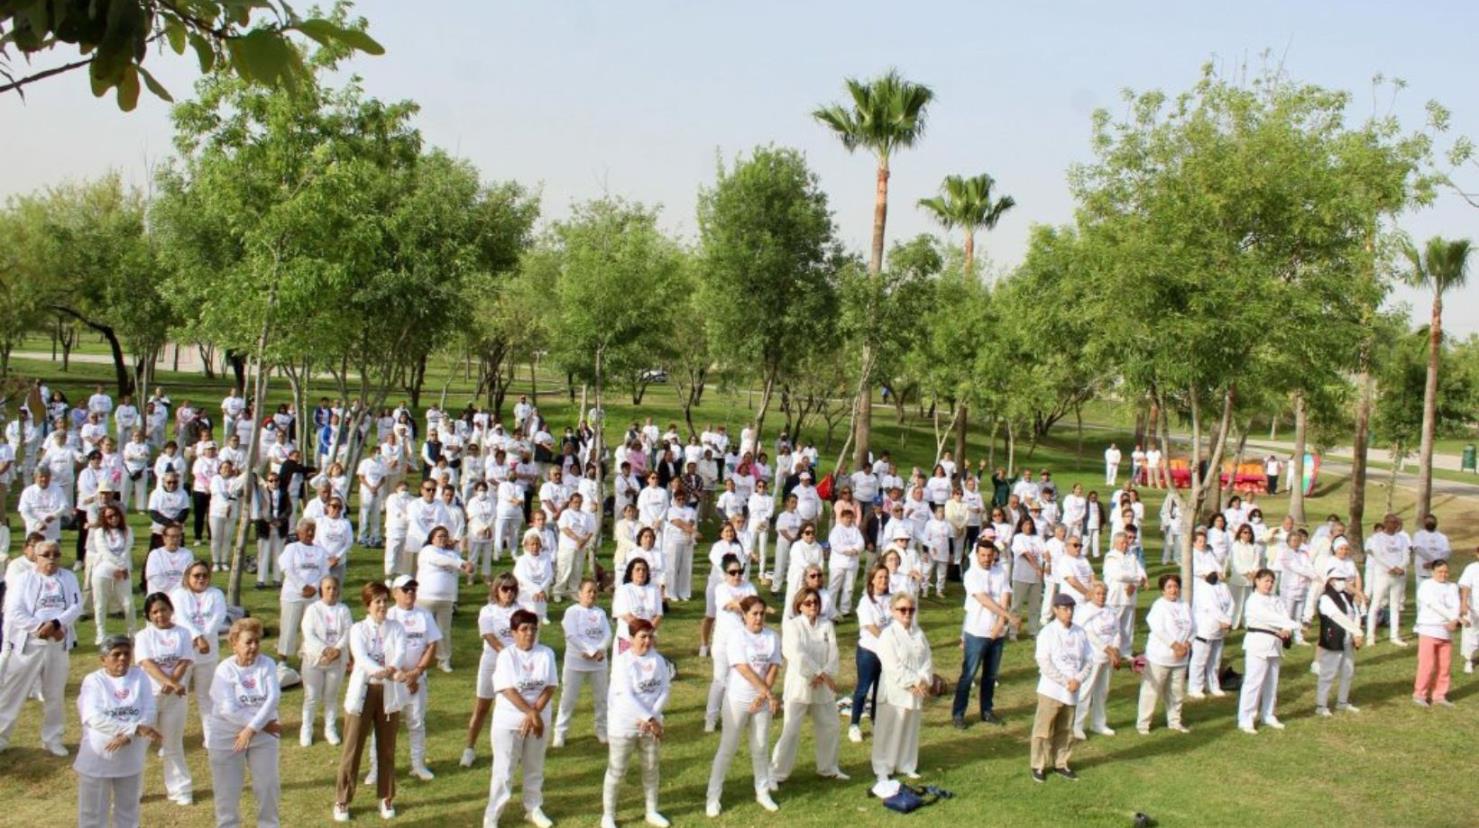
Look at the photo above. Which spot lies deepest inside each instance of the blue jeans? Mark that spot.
(870, 669)
(983, 654)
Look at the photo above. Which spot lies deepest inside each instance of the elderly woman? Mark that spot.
(372, 701)
(753, 655)
(1100, 622)
(1065, 660)
(326, 625)
(117, 712)
(165, 654)
(908, 670)
(110, 560)
(1212, 608)
(244, 730)
(1340, 637)
(438, 567)
(809, 645)
(525, 681)
(1269, 627)
(201, 609)
(639, 693)
(41, 610)
(804, 553)
(1167, 651)
(1247, 559)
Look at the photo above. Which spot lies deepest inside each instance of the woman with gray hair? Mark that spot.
(116, 706)
(908, 670)
(41, 611)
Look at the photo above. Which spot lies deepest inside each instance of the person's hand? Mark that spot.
(540, 596)
(273, 728)
(655, 728)
(599, 655)
(173, 688)
(817, 680)
(330, 655)
(120, 574)
(307, 591)
(1450, 625)
(538, 726)
(120, 741)
(920, 690)
(467, 567)
(1072, 685)
(243, 740)
(1359, 640)
(1284, 634)
(1225, 627)
(202, 645)
(758, 703)
(775, 704)
(149, 733)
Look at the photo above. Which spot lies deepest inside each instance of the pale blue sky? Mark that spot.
(636, 98)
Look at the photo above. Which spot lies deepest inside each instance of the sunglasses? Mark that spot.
(904, 610)
(810, 602)
(408, 589)
(51, 557)
(200, 575)
(815, 576)
(507, 589)
(733, 571)
(808, 532)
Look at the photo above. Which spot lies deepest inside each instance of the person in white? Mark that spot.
(983, 634)
(535, 572)
(1125, 576)
(1389, 581)
(846, 545)
(116, 709)
(372, 700)
(728, 596)
(1428, 547)
(1167, 650)
(1101, 623)
(587, 637)
(938, 534)
(809, 646)
(303, 564)
(41, 611)
(326, 625)
(42, 505)
(1246, 560)
(1065, 661)
(679, 529)
(1298, 573)
(438, 567)
(1468, 589)
(761, 506)
(422, 640)
(905, 681)
(640, 681)
(576, 533)
(525, 681)
(136, 459)
(1112, 458)
(1269, 626)
(1028, 563)
(244, 729)
(397, 525)
(494, 627)
(753, 658)
(201, 609)
(1335, 653)
(165, 654)
(372, 476)
(804, 553)
(1439, 615)
(424, 514)
(787, 533)
(1170, 519)
(110, 559)
(226, 490)
(1212, 607)
(1154, 468)
(482, 513)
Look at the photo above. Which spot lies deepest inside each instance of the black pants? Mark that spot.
(80, 517)
(1273, 483)
(200, 504)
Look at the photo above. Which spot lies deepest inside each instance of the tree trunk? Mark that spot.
(1301, 427)
(1355, 527)
(759, 422)
(970, 252)
(1011, 449)
(1078, 416)
(962, 418)
(418, 379)
(1199, 481)
(120, 365)
(238, 368)
(863, 428)
(207, 359)
(991, 443)
(1398, 451)
(534, 382)
(1430, 413)
(253, 449)
(584, 388)
(570, 386)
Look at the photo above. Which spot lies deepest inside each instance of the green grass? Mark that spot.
(1376, 768)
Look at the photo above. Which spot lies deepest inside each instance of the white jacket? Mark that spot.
(809, 650)
(907, 661)
(373, 649)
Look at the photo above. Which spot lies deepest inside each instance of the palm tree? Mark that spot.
(887, 114)
(1442, 266)
(966, 203)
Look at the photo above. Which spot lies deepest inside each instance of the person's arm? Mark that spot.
(1426, 601)
(1329, 609)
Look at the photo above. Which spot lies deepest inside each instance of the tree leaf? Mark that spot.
(327, 34)
(203, 51)
(266, 57)
(174, 32)
(155, 86)
(128, 88)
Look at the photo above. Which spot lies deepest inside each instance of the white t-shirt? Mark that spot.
(758, 650)
(107, 707)
(587, 632)
(980, 621)
(165, 647)
(496, 621)
(528, 672)
(421, 633)
(639, 691)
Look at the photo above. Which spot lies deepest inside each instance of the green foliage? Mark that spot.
(251, 39)
(1442, 265)
(1403, 362)
(887, 113)
(966, 203)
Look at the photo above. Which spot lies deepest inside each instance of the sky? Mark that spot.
(643, 99)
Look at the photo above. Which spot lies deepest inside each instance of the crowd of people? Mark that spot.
(462, 499)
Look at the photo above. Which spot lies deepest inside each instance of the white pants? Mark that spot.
(1468, 642)
(369, 514)
(1161, 682)
(895, 740)
(442, 612)
(108, 593)
(1295, 606)
(759, 542)
(1093, 698)
(569, 566)
(941, 569)
(739, 721)
(782, 566)
(171, 711)
(679, 558)
(397, 556)
(228, 778)
(718, 653)
(826, 726)
(267, 551)
(139, 489)
(480, 552)
(1111, 471)
(1127, 625)
(1333, 664)
(40, 664)
(571, 681)
(221, 539)
(321, 686)
(840, 584)
(1045, 614)
(291, 624)
(105, 801)
(619, 755)
(1093, 541)
(1387, 589)
(506, 536)
(511, 750)
(199, 681)
(1206, 658)
(1240, 599)
(1260, 689)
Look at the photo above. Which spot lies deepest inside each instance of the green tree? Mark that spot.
(966, 203)
(1442, 266)
(246, 38)
(887, 114)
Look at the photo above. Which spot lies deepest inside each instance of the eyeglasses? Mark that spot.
(507, 589)
(808, 532)
(815, 576)
(200, 575)
(336, 505)
(733, 572)
(408, 589)
(50, 557)
(904, 610)
(810, 602)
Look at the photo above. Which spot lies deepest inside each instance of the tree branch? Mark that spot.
(15, 85)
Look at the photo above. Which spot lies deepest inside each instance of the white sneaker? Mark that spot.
(332, 737)
(712, 809)
(422, 772)
(657, 820)
(710, 725)
(469, 756)
(1248, 729)
(1197, 696)
(341, 813)
(607, 821)
(445, 668)
(703, 651)
(1348, 708)
(1218, 693)
(838, 775)
(764, 800)
(1468, 666)
(1104, 731)
(1080, 736)
(184, 801)
(911, 775)
(1439, 702)
(537, 817)
(1420, 701)
(855, 734)
(370, 777)
(1179, 728)
(1399, 642)
(558, 741)
(56, 749)
(1273, 723)
(387, 810)
(305, 738)
(1323, 712)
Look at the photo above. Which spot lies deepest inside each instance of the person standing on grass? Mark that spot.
(1438, 616)
(587, 639)
(809, 644)
(1167, 650)
(640, 680)
(1028, 564)
(41, 611)
(201, 611)
(1101, 623)
(988, 593)
(1340, 637)
(422, 640)
(372, 700)
(1468, 590)
(904, 685)
(1269, 627)
(165, 655)
(326, 625)
(1065, 660)
(244, 729)
(1211, 606)
(116, 708)
(525, 680)
(496, 630)
(753, 656)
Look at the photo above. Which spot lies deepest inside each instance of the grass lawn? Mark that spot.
(1374, 768)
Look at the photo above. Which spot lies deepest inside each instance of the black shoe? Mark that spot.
(1039, 776)
(991, 718)
(1066, 774)
(959, 722)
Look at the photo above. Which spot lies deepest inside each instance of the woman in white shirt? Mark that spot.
(809, 645)
(726, 546)
(226, 489)
(110, 559)
(804, 553)
(117, 711)
(535, 572)
(1028, 563)
(1247, 559)
(908, 672)
(1101, 622)
(1340, 636)
(587, 637)
(335, 536)
(438, 566)
(760, 506)
(640, 681)
(326, 625)
(244, 729)
(165, 567)
(165, 654)
(753, 658)
(1269, 627)
(674, 569)
(1219, 539)
(1167, 651)
(481, 517)
(576, 533)
(372, 700)
(1212, 605)
(636, 599)
(728, 598)
(1438, 618)
(873, 618)
(136, 457)
(496, 630)
(201, 609)
(525, 681)
(625, 533)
